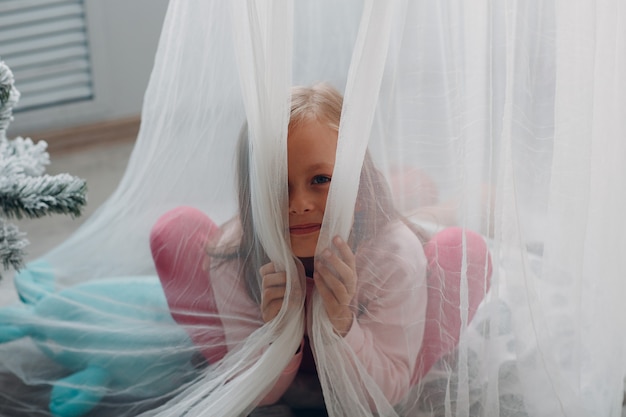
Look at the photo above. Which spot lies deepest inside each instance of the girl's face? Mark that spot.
(311, 159)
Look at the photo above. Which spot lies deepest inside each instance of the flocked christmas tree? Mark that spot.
(25, 189)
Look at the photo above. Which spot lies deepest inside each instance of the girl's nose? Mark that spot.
(299, 202)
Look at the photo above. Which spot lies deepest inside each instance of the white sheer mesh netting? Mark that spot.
(478, 188)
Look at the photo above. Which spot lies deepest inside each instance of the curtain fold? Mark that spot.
(479, 182)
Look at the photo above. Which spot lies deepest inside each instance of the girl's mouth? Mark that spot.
(304, 229)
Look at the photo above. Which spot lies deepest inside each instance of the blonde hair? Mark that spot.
(323, 103)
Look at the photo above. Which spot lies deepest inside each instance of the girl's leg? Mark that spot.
(178, 242)
(450, 253)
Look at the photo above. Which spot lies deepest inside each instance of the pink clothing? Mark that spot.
(394, 334)
(390, 307)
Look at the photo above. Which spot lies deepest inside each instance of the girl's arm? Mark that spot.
(240, 317)
(387, 311)
(387, 333)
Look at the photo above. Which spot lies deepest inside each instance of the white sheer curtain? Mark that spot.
(502, 118)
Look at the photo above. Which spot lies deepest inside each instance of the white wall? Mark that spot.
(123, 36)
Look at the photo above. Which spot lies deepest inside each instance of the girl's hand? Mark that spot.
(335, 279)
(273, 288)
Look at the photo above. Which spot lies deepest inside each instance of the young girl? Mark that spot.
(373, 286)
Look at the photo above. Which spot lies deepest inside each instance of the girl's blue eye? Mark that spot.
(320, 179)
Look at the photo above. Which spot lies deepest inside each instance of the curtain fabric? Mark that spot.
(501, 119)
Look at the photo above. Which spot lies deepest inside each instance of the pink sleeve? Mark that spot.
(387, 333)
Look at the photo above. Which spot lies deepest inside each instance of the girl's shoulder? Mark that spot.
(395, 243)
(394, 259)
(395, 236)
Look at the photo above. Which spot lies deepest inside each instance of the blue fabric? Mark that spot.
(113, 335)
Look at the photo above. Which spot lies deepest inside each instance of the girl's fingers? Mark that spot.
(345, 252)
(328, 294)
(273, 291)
(332, 284)
(332, 302)
(267, 269)
(271, 301)
(344, 272)
(344, 264)
(335, 280)
(338, 309)
(278, 279)
(271, 294)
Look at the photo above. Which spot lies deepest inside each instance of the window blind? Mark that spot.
(45, 44)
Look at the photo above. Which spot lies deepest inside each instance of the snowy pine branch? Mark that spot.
(27, 157)
(9, 96)
(12, 244)
(24, 189)
(37, 196)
